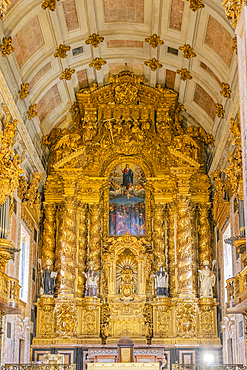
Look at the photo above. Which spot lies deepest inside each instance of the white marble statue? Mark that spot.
(207, 280)
(92, 278)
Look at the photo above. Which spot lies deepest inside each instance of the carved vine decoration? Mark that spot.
(230, 180)
(9, 162)
(119, 119)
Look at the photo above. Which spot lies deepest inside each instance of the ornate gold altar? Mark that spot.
(124, 125)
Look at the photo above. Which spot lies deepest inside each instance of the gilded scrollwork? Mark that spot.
(10, 170)
(186, 248)
(48, 239)
(82, 246)
(66, 317)
(66, 246)
(186, 315)
(158, 236)
(205, 248)
(95, 234)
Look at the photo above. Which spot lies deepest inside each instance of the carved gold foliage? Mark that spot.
(95, 235)
(186, 313)
(24, 91)
(234, 170)
(188, 51)
(154, 41)
(95, 39)
(89, 317)
(207, 325)
(66, 244)
(66, 315)
(219, 110)
(172, 211)
(46, 324)
(9, 162)
(6, 46)
(32, 197)
(153, 64)
(48, 233)
(82, 253)
(32, 111)
(196, 5)
(226, 92)
(159, 244)
(148, 324)
(97, 63)
(104, 321)
(232, 10)
(205, 247)
(186, 252)
(62, 51)
(3, 7)
(67, 74)
(49, 4)
(235, 44)
(184, 74)
(164, 321)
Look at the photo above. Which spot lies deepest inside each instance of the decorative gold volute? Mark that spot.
(9, 162)
(127, 117)
(30, 199)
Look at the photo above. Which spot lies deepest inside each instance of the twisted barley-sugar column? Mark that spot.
(158, 235)
(205, 238)
(66, 247)
(49, 233)
(82, 246)
(186, 250)
(95, 235)
(172, 212)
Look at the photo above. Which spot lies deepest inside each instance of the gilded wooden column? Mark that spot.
(158, 235)
(186, 251)
(172, 224)
(82, 246)
(205, 246)
(95, 235)
(49, 233)
(66, 246)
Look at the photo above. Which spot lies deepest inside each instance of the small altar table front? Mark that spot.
(124, 366)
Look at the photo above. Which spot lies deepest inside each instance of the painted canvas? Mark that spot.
(127, 200)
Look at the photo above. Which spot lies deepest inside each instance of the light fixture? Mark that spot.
(208, 358)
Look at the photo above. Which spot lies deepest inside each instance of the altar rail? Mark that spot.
(38, 367)
(207, 367)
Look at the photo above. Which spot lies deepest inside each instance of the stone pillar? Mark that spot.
(158, 236)
(82, 246)
(66, 247)
(172, 224)
(95, 235)
(186, 251)
(205, 247)
(241, 32)
(49, 233)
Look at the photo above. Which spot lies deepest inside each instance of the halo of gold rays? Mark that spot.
(126, 260)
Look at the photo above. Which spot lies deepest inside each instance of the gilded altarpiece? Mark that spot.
(123, 129)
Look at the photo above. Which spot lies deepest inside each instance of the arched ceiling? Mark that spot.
(124, 24)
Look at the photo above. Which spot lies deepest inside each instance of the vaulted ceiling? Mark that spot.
(124, 24)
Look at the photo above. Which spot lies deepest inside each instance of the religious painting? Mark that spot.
(127, 200)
